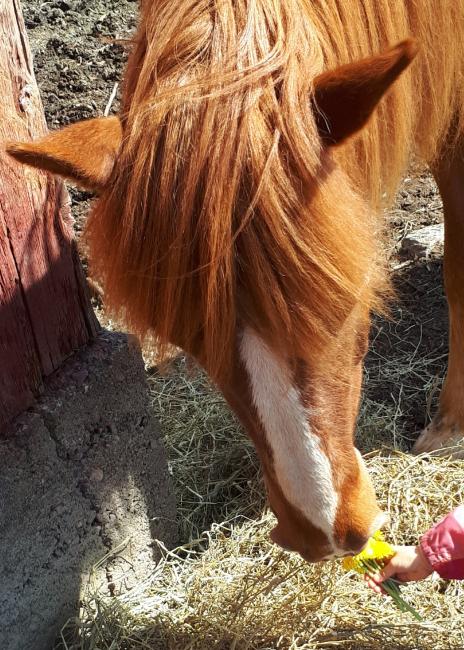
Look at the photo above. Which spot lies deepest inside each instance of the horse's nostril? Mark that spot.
(355, 542)
(357, 550)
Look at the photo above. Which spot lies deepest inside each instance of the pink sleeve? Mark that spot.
(443, 545)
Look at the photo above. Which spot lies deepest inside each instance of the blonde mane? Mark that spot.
(224, 209)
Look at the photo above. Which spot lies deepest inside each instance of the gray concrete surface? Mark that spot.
(81, 472)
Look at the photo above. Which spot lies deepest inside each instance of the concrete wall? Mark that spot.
(80, 472)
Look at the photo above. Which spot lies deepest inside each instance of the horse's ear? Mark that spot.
(84, 152)
(345, 98)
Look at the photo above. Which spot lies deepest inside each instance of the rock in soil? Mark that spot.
(424, 242)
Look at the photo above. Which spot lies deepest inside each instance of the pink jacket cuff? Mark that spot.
(443, 545)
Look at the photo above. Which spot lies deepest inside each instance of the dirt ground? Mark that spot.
(75, 63)
(77, 68)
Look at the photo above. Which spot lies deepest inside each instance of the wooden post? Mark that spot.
(45, 313)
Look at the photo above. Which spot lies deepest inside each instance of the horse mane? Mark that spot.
(224, 209)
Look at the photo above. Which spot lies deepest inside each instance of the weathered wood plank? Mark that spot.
(45, 313)
(20, 375)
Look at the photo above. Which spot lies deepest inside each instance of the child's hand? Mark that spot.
(407, 565)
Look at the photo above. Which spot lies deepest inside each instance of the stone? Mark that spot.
(83, 475)
(424, 242)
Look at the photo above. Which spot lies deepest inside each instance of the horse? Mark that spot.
(237, 217)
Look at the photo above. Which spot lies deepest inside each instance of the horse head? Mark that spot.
(225, 224)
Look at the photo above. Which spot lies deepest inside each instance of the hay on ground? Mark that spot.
(230, 588)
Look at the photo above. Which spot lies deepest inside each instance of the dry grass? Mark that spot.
(212, 461)
(231, 588)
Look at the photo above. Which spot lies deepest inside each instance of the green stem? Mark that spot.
(391, 588)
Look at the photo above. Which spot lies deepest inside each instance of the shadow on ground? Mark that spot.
(407, 360)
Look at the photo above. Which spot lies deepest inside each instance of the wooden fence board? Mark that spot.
(45, 313)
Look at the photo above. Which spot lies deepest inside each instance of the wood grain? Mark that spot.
(45, 313)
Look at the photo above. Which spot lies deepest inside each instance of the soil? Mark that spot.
(77, 61)
(77, 67)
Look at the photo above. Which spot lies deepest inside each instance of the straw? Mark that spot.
(231, 588)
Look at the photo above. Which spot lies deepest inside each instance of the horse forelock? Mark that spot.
(224, 209)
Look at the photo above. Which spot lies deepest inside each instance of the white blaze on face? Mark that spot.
(301, 466)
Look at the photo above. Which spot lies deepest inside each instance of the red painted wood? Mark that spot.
(20, 373)
(45, 313)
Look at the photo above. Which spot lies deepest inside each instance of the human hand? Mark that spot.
(409, 564)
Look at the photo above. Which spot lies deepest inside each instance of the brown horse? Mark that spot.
(236, 217)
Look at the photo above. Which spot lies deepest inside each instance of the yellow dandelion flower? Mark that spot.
(378, 535)
(376, 549)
